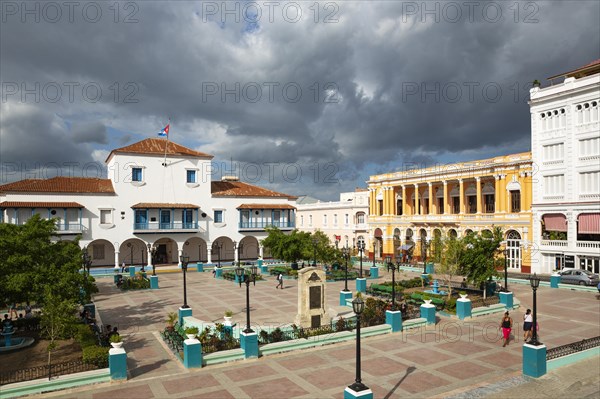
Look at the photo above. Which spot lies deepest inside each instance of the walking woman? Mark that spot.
(506, 326)
(527, 325)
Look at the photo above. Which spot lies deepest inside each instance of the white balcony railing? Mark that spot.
(555, 243)
(588, 244)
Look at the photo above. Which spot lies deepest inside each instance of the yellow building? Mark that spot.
(414, 205)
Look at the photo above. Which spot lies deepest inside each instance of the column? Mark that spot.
(430, 197)
(208, 252)
(260, 251)
(497, 193)
(117, 256)
(403, 200)
(236, 252)
(461, 192)
(478, 180)
(149, 257)
(417, 199)
(179, 253)
(445, 197)
(371, 201)
(389, 195)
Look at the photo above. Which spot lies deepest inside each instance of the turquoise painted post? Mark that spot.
(131, 271)
(116, 278)
(428, 312)
(361, 285)
(429, 268)
(184, 312)
(344, 295)
(506, 298)
(534, 360)
(249, 343)
(374, 272)
(117, 364)
(554, 280)
(350, 393)
(463, 308)
(219, 273)
(200, 267)
(259, 262)
(154, 282)
(192, 353)
(394, 319)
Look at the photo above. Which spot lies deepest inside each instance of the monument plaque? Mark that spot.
(311, 298)
(315, 297)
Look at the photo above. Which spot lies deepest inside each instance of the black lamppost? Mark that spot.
(424, 248)
(184, 264)
(535, 283)
(374, 240)
(392, 267)
(358, 306)
(361, 249)
(218, 245)
(346, 253)
(315, 242)
(506, 252)
(131, 248)
(87, 262)
(241, 274)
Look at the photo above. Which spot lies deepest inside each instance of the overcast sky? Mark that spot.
(318, 95)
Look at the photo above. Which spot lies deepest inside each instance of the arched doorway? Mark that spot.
(378, 243)
(513, 244)
(249, 249)
(222, 249)
(167, 251)
(452, 233)
(102, 253)
(195, 249)
(133, 252)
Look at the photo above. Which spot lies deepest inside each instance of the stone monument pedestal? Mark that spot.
(311, 298)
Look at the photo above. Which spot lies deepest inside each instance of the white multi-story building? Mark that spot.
(154, 199)
(565, 142)
(345, 219)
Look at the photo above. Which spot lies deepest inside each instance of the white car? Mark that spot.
(578, 276)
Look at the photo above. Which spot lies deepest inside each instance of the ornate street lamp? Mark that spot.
(184, 264)
(424, 248)
(358, 306)
(315, 241)
(535, 283)
(87, 262)
(361, 249)
(242, 275)
(218, 245)
(346, 253)
(506, 252)
(130, 246)
(374, 240)
(392, 267)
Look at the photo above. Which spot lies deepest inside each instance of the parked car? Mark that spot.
(578, 276)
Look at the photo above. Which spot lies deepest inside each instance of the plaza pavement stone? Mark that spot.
(452, 359)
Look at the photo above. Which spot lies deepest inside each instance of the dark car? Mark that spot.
(578, 276)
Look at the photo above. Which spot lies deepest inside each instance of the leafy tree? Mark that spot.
(58, 317)
(450, 259)
(478, 258)
(290, 248)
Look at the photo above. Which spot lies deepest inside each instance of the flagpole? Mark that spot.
(167, 144)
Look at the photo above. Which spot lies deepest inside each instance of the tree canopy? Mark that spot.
(31, 263)
(300, 245)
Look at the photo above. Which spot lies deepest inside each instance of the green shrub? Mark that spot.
(85, 336)
(96, 355)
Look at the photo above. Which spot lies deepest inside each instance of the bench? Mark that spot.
(485, 310)
(174, 337)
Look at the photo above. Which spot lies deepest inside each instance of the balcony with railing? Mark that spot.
(261, 225)
(174, 227)
(69, 228)
(588, 244)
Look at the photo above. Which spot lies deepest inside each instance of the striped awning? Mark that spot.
(555, 222)
(588, 223)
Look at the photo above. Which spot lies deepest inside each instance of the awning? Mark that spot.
(405, 247)
(555, 222)
(588, 223)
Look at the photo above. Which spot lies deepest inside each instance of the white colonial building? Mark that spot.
(155, 199)
(565, 142)
(345, 219)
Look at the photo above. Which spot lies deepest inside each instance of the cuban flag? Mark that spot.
(164, 132)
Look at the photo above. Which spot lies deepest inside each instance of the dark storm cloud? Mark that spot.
(384, 84)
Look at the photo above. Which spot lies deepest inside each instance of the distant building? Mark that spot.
(345, 219)
(565, 142)
(408, 207)
(159, 199)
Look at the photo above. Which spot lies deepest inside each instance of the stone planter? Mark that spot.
(463, 296)
(427, 301)
(116, 344)
(190, 336)
(227, 321)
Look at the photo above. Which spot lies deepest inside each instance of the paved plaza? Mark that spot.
(453, 359)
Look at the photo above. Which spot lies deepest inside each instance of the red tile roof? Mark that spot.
(265, 206)
(156, 146)
(61, 185)
(586, 70)
(240, 189)
(22, 204)
(166, 205)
